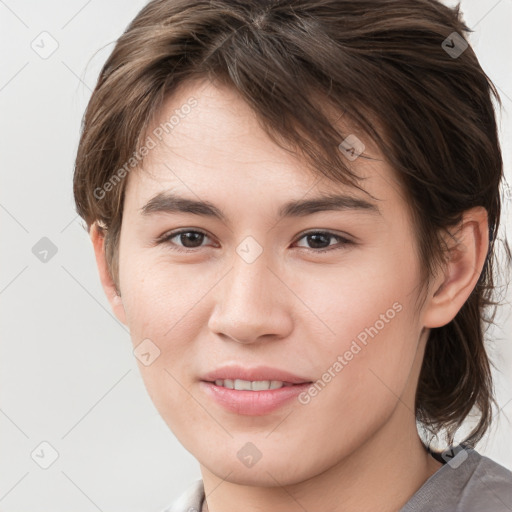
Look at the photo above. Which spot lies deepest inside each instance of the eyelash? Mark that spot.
(166, 239)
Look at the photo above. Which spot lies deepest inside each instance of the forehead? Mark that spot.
(206, 138)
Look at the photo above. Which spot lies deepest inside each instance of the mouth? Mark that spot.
(252, 391)
(252, 378)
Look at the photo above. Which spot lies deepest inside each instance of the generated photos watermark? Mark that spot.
(357, 345)
(150, 143)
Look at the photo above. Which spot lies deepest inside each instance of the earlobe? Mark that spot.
(467, 254)
(109, 287)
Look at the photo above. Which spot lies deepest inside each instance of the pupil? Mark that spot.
(186, 237)
(316, 236)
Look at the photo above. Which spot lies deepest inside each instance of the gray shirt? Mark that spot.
(467, 482)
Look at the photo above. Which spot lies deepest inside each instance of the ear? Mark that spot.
(465, 263)
(116, 303)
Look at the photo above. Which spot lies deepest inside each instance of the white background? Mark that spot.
(68, 375)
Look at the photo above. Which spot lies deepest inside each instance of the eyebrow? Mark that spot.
(166, 202)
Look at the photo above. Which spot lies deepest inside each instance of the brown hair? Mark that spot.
(377, 61)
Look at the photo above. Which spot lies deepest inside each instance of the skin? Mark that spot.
(210, 307)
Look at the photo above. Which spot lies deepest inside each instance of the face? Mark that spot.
(327, 294)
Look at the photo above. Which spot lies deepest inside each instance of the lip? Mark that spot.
(252, 403)
(257, 373)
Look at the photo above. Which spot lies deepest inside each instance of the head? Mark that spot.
(249, 107)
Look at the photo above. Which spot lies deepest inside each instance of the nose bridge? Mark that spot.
(247, 282)
(247, 305)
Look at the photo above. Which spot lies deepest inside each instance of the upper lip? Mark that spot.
(256, 373)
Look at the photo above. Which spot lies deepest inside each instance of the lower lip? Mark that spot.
(253, 403)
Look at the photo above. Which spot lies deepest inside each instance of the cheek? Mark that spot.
(351, 297)
(368, 323)
(161, 305)
(365, 365)
(159, 296)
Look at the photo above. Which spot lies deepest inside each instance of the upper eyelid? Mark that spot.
(323, 231)
(172, 233)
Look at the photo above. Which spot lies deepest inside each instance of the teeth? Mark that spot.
(247, 385)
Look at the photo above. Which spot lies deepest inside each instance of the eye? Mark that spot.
(189, 239)
(189, 242)
(321, 238)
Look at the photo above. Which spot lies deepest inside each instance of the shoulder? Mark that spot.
(190, 500)
(468, 482)
(492, 480)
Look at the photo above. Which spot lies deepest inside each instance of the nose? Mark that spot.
(252, 303)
